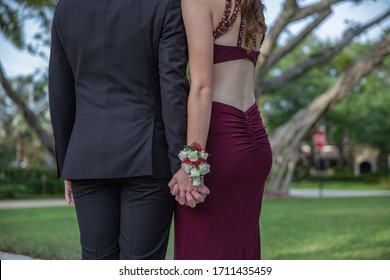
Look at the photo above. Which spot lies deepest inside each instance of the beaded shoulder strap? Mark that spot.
(241, 33)
(226, 23)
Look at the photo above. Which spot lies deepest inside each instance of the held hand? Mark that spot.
(203, 190)
(198, 198)
(68, 192)
(181, 187)
(200, 193)
(186, 193)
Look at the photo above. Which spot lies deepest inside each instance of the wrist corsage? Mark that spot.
(194, 162)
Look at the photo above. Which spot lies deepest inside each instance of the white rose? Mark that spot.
(204, 168)
(194, 172)
(193, 156)
(196, 181)
(186, 167)
(204, 155)
(182, 155)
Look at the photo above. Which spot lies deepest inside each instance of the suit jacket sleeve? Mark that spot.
(61, 96)
(174, 84)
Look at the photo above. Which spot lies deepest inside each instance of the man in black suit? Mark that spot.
(118, 100)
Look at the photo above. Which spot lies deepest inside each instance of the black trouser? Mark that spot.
(123, 218)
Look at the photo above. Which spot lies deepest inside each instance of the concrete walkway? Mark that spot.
(31, 203)
(9, 256)
(315, 193)
(296, 193)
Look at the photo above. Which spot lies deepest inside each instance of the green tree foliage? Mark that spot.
(364, 115)
(16, 18)
(14, 130)
(16, 14)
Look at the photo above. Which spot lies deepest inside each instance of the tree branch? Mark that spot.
(300, 68)
(276, 56)
(290, 13)
(312, 9)
(289, 9)
(29, 116)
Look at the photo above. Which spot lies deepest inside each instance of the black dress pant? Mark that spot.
(123, 218)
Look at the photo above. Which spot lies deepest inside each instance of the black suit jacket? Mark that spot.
(117, 88)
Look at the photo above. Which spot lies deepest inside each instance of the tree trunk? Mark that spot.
(286, 140)
(29, 115)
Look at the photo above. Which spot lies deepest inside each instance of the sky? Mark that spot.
(17, 62)
(335, 24)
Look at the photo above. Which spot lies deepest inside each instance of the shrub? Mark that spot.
(11, 191)
(18, 182)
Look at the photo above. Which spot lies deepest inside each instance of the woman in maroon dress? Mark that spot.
(224, 38)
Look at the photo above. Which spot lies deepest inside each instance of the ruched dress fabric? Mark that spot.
(226, 225)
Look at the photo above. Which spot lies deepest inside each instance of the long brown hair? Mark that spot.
(253, 13)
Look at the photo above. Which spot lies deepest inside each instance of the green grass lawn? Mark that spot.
(47, 233)
(337, 228)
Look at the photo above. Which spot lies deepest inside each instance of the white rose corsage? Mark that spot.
(194, 162)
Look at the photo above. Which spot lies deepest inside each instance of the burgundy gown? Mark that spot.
(226, 225)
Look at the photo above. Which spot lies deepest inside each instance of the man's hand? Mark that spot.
(181, 187)
(185, 193)
(68, 192)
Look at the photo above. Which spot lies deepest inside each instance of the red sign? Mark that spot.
(319, 139)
